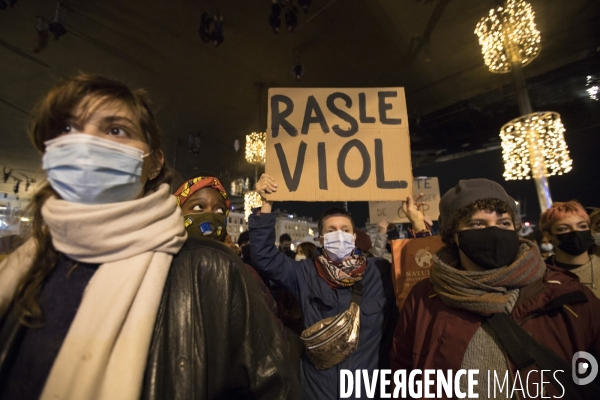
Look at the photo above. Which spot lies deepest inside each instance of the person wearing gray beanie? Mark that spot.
(467, 192)
(491, 203)
(484, 272)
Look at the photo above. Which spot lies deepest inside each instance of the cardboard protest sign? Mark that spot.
(392, 210)
(327, 144)
(412, 260)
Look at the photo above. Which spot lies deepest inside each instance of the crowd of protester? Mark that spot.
(129, 290)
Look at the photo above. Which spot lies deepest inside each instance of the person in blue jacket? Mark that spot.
(323, 286)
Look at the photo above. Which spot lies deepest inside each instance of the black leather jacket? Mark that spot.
(214, 337)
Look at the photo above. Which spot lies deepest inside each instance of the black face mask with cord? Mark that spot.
(489, 248)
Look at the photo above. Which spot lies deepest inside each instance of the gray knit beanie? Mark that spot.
(467, 192)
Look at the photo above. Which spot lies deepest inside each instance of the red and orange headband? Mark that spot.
(195, 184)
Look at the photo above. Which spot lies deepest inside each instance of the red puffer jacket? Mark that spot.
(431, 335)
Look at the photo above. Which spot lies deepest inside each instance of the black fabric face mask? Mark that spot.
(489, 248)
(575, 242)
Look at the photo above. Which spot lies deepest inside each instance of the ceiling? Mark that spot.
(221, 92)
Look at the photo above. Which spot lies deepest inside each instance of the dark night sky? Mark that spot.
(561, 90)
(580, 184)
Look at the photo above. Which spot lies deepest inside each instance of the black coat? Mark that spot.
(214, 336)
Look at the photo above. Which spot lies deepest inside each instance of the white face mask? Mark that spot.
(91, 170)
(596, 236)
(338, 244)
(300, 257)
(546, 247)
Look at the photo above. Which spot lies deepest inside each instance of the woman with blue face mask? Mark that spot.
(90, 304)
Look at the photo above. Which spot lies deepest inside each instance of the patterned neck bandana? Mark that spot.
(200, 182)
(341, 274)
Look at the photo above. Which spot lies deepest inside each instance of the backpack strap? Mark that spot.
(513, 346)
(557, 304)
(357, 292)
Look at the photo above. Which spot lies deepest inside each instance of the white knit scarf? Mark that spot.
(104, 353)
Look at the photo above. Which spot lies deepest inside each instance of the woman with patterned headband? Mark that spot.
(205, 206)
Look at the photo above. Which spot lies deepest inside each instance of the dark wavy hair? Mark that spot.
(49, 117)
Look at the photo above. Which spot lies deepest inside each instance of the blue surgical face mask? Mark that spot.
(338, 244)
(87, 169)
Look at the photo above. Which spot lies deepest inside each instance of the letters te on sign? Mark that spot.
(392, 210)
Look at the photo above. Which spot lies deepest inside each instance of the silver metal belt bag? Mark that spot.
(332, 340)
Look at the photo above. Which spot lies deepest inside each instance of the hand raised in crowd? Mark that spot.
(265, 185)
(411, 209)
(383, 225)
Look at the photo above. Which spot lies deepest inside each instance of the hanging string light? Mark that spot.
(509, 28)
(592, 86)
(534, 144)
(251, 200)
(256, 147)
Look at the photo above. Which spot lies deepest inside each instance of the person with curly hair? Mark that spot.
(488, 284)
